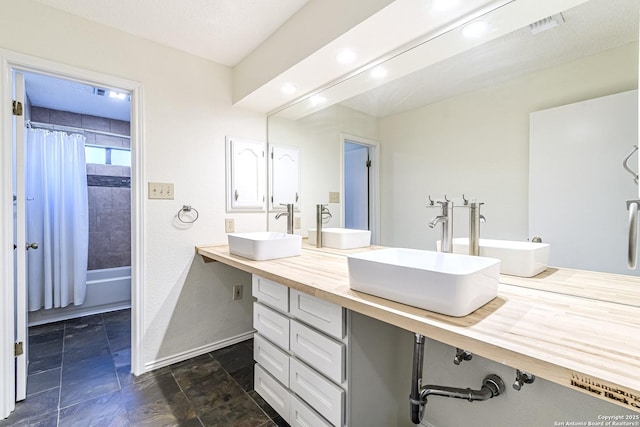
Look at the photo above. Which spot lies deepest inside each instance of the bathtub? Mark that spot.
(108, 289)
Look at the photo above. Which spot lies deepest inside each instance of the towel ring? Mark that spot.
(187, 208)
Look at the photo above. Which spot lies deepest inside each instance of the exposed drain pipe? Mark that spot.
(492, 386)
(416, 405)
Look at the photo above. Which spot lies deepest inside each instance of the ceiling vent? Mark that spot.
(98, 91)
(547, 23)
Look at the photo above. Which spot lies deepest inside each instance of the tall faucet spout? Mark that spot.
(474, 228)
(289, 215)
(437, 220)
(446, 219)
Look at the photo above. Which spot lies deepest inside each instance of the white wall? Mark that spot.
(187, 113)
(478, 144)
(319, 138)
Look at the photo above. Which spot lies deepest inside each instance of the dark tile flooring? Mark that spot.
(79, 375)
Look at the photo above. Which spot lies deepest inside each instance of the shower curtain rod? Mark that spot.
(62, 128)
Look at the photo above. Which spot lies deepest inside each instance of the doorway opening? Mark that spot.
(73, 282)
(360, 184)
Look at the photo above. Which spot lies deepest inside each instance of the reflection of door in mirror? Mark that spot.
(578, 187)
(356, 185)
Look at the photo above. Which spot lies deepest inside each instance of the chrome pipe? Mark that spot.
(492, 386)
(416, 405)
(632, 207)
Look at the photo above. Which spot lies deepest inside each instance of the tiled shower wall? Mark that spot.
(109, 189)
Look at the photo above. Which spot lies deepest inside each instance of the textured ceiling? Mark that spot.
(224, 31)
(66, 95)
(592, 27)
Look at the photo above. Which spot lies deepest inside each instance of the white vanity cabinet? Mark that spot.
(300, 350)
(319, 364)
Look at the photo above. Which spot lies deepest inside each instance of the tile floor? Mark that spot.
(79, 376)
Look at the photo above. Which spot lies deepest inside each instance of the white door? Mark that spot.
(20, 272)
(356, 186)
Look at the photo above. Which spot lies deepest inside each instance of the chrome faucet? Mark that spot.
(474, 227)
(446, 219)
(321, 211)
(289, 215)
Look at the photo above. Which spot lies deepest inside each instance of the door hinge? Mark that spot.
(368, 163)
(18, 349)
(17, 108)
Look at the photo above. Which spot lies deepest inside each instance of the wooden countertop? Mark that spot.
(587, 345)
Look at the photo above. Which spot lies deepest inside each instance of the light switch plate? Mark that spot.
(161, 190)
(297, 222)
(334, 197)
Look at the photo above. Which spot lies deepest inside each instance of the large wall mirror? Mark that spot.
(462, 126)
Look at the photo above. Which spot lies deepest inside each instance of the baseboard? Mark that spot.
(189, 354)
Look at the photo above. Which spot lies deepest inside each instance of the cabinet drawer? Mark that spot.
(320, 393)
(274, 393)
(271, 293)
(321, 352)
(272, 325)
(324, 315)
(301, 415)
(271, 358)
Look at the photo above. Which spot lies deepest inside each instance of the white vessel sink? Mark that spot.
(264, 245)
(523, 259)
(449, 284)
(342, 238)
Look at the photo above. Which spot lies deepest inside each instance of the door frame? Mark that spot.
(374, 189)
(9, 61)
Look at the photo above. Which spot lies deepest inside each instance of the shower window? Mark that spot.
(107, 155)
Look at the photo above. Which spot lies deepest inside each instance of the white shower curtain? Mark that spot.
(57, 217)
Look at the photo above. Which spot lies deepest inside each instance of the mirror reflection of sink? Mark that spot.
(523, 259)
(264, 245)
(450, 284)
(342, 238)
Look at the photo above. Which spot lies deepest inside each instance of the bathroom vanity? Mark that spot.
(565, 336)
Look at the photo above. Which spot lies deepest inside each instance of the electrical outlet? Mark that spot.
(161, 190)
(296, 222)
(334, 197)
(229, 225)
(237, 292)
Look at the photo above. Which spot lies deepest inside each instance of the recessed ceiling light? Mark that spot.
(475, 29)
(346, 56)
(378, 72)
(317, 100)
(444, 5)
(288, 88)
